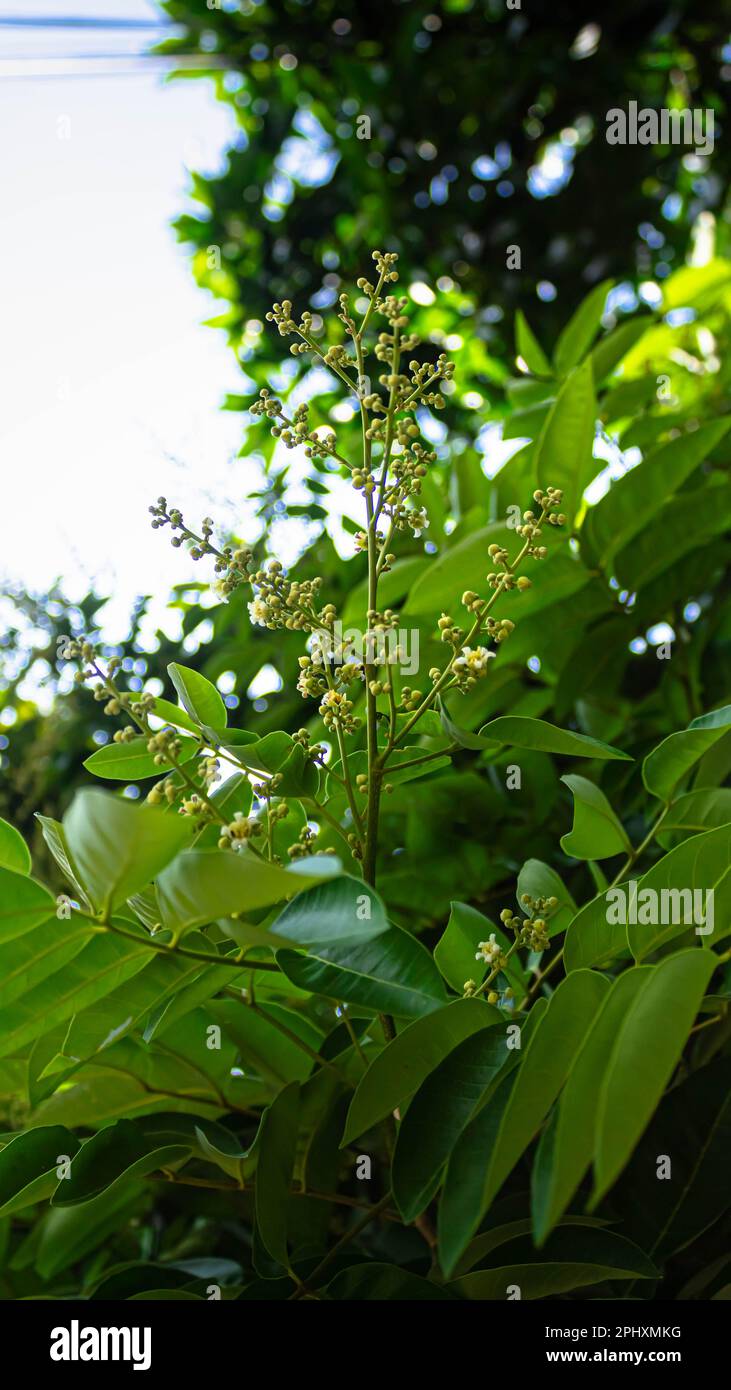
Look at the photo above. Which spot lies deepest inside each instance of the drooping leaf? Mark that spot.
(441, 1109)
(566, 1147)
(644, 1056)
(493, 1142)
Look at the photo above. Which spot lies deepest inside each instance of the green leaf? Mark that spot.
(69, 1233)
(441, 1109)
(690, 884)
(456, 951)
(53, 834)
(117, 846)
(392, 973)
(566, 1146)
(646, 1052)
(343, 909)
(668, 764)
(397, 1072)
(277, 1148)
(118, 1154)
(518, 731)
(131, 762)
(596, 832)
(198, 696)
(564, 450)
(541, 881)
(30, 958)
(529, 348)
(580, 331)
(694, 812)
(202, 885)
(104, 963)
(611, 349)
(493, 1142)
(263, 1047)
(24, 904)
(14, 852)
(634, 499)
(572, 1259)
(30, 1161)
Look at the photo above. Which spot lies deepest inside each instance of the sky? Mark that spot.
(109, 386)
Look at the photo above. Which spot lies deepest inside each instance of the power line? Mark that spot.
(77, 22)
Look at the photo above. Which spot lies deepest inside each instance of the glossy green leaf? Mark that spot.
(391, 973)
(596, 832)
(342, 909)
(131, 762)
(668, 764)
(518, 731)
(14, 852)
(397, 1072)
(645, 1054)
(118, 846)
(496, 1138)
(198, 696)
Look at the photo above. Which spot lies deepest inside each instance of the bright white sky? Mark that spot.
(109, 386)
